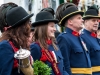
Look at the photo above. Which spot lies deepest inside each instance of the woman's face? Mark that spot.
(30, 39)
(51, 30)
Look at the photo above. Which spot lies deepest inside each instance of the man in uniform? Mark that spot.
(91, 23)
(75, 54)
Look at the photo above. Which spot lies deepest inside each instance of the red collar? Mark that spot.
(49, 42)
(93, 34)
(75, 33)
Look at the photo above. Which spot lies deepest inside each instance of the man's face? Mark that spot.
(92, 24)
(77, 22)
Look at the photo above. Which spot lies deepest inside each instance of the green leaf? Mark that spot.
(41, 68)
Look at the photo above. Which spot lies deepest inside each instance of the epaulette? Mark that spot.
(82, 33)
(64, 32)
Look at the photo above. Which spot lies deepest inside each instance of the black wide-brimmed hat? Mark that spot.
(49, 9)
(17, 16)
(69, 12)
(44, 17)
(92, 12)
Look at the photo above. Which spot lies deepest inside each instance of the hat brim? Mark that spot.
(22, 20)
(38, 23)
(62, 21)
(90, 16)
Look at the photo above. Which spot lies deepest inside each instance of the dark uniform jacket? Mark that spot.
(93, 45)
(36, 54)
(76, 56)
(7, 60)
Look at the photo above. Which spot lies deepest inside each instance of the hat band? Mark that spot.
(91, 16)
(68, 15)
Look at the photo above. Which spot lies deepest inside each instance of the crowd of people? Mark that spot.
(72, 52)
